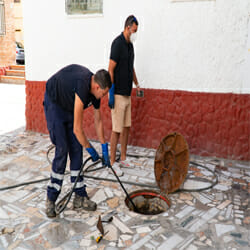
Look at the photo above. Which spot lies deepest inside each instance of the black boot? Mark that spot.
(50, 208)
(84, 203)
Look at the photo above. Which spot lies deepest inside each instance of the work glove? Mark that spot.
(112, 96)
(94, 155)
(105, 155)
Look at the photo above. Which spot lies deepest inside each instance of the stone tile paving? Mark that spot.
(216, 218)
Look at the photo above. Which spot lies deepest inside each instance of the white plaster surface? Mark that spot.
(195, 46)
(12, 107)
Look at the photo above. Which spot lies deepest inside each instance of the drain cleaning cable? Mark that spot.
(62, 204)
(213, 183)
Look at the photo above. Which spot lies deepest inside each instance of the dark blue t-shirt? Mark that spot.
(70, 80)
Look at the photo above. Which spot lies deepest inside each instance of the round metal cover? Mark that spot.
(171, 162)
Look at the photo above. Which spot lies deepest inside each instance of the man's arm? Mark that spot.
(135, 79)
(112, 65)
(78, 123)
(111, 102)
(98, 125)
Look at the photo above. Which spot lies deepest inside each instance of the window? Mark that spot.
(83, 6)
(2, 19)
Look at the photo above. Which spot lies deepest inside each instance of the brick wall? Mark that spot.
(7, 41)
(214, 124)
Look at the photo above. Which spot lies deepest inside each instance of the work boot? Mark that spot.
(84, 203)
(50, 208)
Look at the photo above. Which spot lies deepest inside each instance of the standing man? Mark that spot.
(122, 72)
(68, 93)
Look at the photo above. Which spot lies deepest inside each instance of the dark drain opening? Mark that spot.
(148, 202)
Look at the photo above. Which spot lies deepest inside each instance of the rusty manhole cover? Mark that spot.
(171, 162)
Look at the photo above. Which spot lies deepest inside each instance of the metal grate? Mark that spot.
(2, 19)
(83, 6)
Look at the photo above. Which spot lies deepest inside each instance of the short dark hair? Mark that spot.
(103, 79)
(130, 20)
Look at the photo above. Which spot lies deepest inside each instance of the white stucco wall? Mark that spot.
(193, 46)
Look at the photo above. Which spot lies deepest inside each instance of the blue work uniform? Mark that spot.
(59, 102)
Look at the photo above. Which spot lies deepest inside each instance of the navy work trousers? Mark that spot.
(60, 126)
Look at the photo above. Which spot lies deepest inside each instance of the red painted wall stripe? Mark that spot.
(214, 124)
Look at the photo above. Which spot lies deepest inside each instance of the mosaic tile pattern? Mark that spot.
(216, 218)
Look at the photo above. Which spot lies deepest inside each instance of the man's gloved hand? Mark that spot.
(105, 155)
(94, 155)
(112, 96)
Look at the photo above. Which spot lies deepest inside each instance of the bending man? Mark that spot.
(68, 93)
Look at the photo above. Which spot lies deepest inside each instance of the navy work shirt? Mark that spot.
(122, 52)
(70, 80)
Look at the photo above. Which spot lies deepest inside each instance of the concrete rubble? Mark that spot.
(216, 218)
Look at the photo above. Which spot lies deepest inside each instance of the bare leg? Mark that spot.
(113, 145)
(124, 142)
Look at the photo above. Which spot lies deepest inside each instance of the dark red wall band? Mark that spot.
(214, 124)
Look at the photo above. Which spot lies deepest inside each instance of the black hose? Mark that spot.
(61, 205)
(24, 184)
(200, 189)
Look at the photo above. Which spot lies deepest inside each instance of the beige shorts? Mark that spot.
(121, 114)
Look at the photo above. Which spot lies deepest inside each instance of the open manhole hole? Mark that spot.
(148, 202)
(170, 168)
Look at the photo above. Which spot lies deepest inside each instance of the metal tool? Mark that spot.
(99, 238)
(99, 225)
(128, 197)
(101, 229)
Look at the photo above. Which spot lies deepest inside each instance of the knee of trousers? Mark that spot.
(60, 160)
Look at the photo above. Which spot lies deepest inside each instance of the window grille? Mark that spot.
(2, 19)
(83, 6)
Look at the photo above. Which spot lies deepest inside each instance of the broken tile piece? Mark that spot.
(221, 187)
(171, 242)
(125, 237)
(140, 243)
(201, 198)
(92, 221)
(85, 243)
(222, 229)
(3, 214)
(122, 227)
(238, 222)
(143, 230)
(113, 203)
(224, 204)
(186, 196)
(99, 196)
(184, 212)
(247, 220)
(108, 192)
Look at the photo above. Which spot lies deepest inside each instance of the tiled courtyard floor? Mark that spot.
(216, 218)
